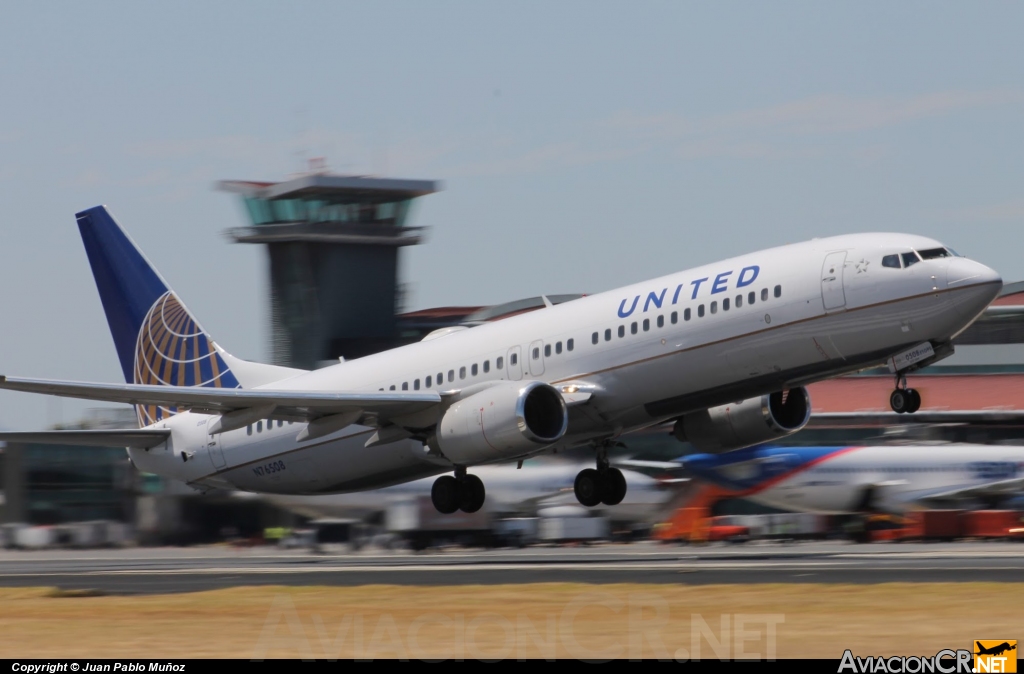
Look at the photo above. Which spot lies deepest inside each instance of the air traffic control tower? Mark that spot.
(332, 242)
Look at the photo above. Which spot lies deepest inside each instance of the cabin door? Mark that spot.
(515, 363)
(832, 293)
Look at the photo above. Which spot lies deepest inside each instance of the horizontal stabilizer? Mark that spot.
(133, 438)
(302, 404)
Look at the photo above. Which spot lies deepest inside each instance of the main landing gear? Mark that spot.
(463, 492)
(904, 400)
(604, 485)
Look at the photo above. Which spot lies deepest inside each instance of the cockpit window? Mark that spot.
(910, 258)
(933, 253)
(891, 261)
(954, 253)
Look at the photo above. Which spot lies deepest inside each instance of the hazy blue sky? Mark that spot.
(582, 145)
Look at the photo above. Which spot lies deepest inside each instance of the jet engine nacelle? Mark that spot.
(501, 422)
(750, 422)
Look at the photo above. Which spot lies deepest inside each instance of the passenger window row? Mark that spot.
(727, 303)
(476, 369)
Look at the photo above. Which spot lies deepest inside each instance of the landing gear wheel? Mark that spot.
(588, 487)
(899, 401)
(445, 494)
(613, 487)
(471, 494)
(915, 400)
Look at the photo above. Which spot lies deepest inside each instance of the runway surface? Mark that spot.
(165, 570)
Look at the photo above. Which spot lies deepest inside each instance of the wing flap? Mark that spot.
(133, 438)
(306, 405)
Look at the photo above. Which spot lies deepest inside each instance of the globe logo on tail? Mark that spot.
(173, 350)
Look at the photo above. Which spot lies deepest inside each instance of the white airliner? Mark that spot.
(724, 349)
(866, 479)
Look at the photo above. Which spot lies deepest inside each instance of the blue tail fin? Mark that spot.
(158, 341)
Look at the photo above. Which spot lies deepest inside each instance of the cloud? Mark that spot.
(822, 114)
(787, 130)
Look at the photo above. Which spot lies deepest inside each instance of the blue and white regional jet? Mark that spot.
(840, 480)
(725, 350)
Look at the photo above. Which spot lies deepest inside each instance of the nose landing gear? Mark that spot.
(462, 492)
(605, 485)
(904, 400)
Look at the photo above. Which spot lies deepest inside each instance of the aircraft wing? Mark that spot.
(298, 405)
(134, 438)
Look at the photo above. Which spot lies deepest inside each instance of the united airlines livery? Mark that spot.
(724, 350)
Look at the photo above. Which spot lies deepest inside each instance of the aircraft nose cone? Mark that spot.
(963, 272)
(973, 284)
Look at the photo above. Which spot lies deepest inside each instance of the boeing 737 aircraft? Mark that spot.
(724, 350)
(866, 479)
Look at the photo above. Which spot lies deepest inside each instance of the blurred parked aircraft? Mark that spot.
(891, 479)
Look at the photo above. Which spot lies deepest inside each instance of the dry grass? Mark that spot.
(510, 621)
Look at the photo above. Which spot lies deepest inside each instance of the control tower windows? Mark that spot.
(339, 208)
